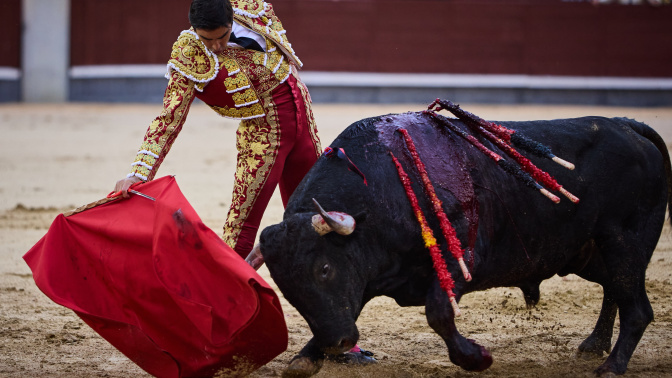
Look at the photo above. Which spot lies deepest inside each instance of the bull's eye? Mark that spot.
(325, 270)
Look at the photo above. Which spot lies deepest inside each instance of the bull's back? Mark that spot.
(621, 179)
(617, 159)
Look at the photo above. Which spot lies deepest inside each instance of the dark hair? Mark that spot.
(210, 14)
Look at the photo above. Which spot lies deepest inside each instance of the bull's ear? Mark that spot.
(360, 217)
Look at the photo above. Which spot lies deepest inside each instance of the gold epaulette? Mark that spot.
(193, 60)
(259, 16)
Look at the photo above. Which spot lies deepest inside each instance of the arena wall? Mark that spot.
(502, 51)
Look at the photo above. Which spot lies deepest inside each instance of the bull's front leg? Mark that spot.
(463, 352)
(308, 362)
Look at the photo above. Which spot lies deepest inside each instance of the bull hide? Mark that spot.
(513, 236)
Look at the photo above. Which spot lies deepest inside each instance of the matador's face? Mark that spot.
(216, 39)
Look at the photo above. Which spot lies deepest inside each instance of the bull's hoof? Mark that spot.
(485, 361)
(478, 360)
(607, 370)
(302, 367)
(593, 347)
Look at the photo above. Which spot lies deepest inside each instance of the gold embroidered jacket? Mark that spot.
(234, 83)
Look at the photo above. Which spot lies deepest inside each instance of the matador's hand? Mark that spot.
(125, 183)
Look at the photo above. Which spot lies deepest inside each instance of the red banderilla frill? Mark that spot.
(445, 279)
(510, 136)
(340, 153)
(446, 228)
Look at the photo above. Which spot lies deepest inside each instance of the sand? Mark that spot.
(57, 157)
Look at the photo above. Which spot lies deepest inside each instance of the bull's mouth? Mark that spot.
(339, 340)
(344, 345)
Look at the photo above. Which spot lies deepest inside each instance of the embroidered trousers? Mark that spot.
(277, 149)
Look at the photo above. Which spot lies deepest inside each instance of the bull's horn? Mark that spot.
(341, 223)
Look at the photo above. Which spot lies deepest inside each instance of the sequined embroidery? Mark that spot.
(193, 60)
(244, 113)
(257, 144)
(247, 97)
(236, 83)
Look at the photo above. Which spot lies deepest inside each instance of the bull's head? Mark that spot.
(316, 261)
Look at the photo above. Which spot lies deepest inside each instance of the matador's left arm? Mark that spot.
(164, 129)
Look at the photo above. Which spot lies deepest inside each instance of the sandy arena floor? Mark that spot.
(56, 157)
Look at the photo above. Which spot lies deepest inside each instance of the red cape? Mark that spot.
(160, 286)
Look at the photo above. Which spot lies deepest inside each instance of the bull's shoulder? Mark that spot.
(359, 128)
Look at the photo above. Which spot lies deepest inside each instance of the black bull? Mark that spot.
(513, 236)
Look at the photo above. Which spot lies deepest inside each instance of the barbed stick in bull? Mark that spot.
(507, 134)
(445, 278)
(499, 136)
